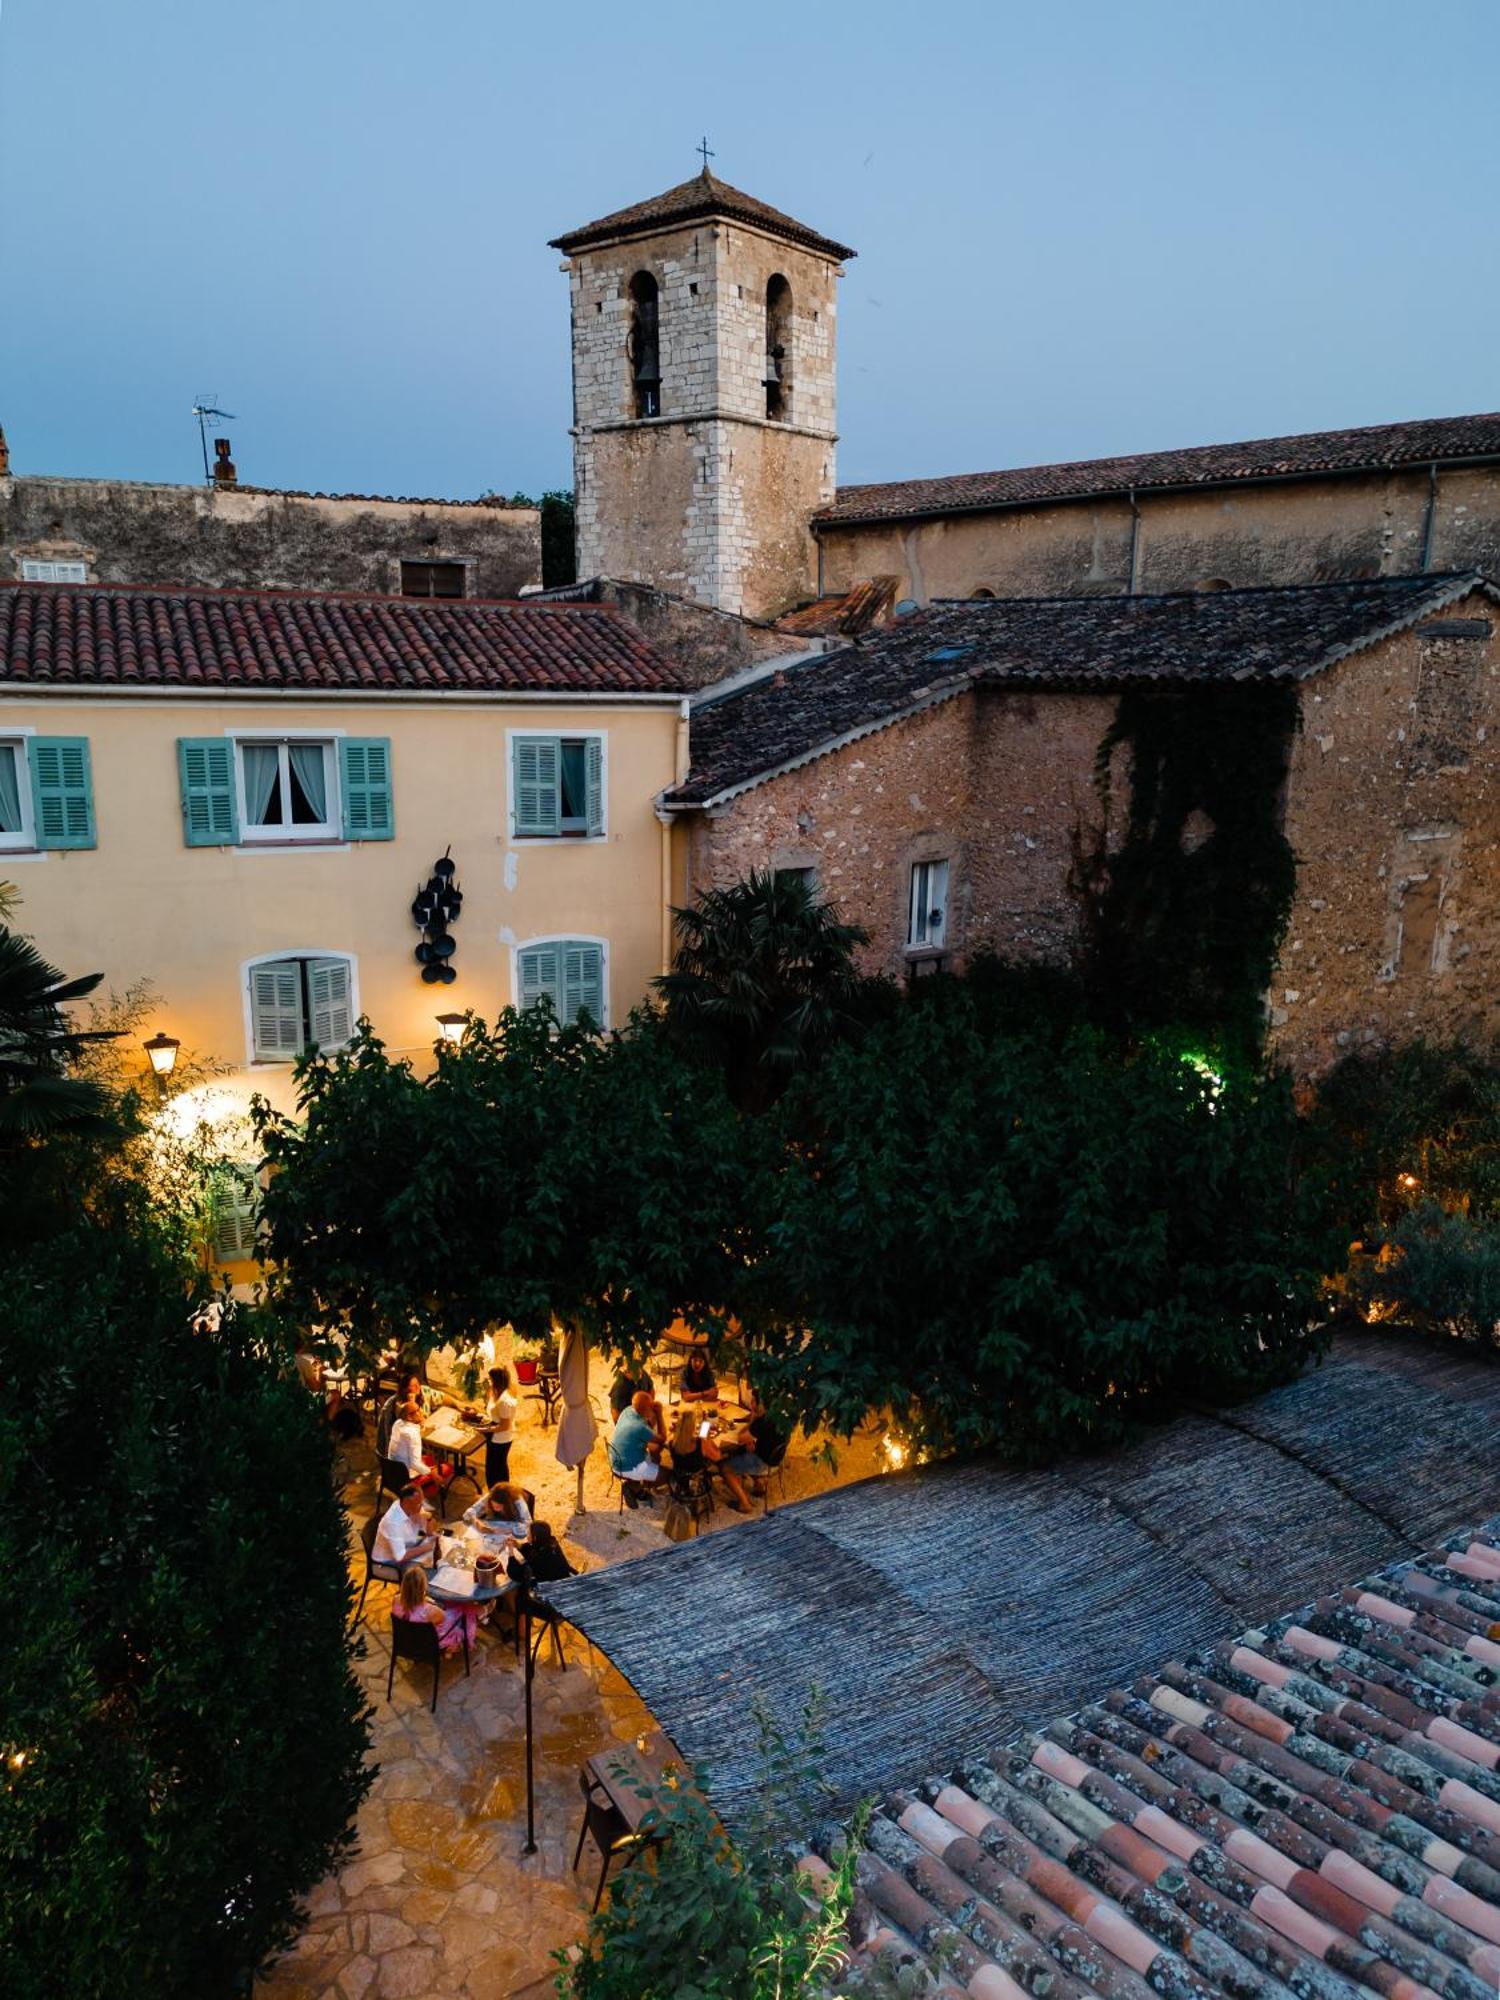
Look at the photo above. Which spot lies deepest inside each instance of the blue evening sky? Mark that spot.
(1084, 226)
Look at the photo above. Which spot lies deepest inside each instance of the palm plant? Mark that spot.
(37, 1095)
(763, 980)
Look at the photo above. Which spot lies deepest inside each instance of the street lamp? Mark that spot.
(162, 1049)
(451, 1026)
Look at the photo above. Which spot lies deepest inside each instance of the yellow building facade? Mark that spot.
(253, 850)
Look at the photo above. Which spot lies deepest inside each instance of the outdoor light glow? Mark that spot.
(205, 1105)
(162, 1049)
(895, 1453)
(1407, 1181)
(1213, 1082)
(451, 1026)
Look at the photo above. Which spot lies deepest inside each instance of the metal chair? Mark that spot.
(606, 1824)
(414, 1639)
(393, 1476)
(375, 1572)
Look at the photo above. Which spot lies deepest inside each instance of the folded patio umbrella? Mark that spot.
(577, 1430)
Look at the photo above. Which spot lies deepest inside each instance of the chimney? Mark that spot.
(224, 472)
(4, 456)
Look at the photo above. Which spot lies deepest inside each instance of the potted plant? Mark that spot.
(527, 1349)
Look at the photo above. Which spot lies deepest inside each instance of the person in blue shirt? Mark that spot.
(635, 1447)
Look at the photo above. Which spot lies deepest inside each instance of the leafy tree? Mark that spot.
(763, 982)
(697, 1917)
(1028, 1239)
(559, 534)
(175, 1649)
(38, 1097)
(1441, 1271)
(538, 1173)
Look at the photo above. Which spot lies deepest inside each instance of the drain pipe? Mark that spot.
(1431, 522)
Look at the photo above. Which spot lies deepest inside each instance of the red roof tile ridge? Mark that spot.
(280, 593)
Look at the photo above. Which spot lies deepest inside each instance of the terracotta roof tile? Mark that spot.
(1312, 1810)
(111, 636)
(1376, 447)
(705, 195)
(810, 707)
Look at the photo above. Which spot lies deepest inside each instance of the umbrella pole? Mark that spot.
(579, 1507)
(530, 1847)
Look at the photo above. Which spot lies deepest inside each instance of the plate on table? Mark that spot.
(454, 1582)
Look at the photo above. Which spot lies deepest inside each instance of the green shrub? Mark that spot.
(1442, 1270)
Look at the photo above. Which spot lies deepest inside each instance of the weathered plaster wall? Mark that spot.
(709, 500)
(131, 532)
(994, 784)
(708, 645)
(1393, 810)
(1310, 531)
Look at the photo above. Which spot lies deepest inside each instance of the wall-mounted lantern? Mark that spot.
(451, 1026)
(162, 1050)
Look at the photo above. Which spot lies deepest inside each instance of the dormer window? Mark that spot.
(643, 346)
(778, 371)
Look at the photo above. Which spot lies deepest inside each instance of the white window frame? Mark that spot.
(930, 940)
(23, 842)
(583, 839)
(559, 937)
(37, 569)
(247, 998)
(324, 834)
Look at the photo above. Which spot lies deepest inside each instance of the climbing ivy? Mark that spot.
(1184, 916)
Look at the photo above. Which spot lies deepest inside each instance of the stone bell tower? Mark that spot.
(703, 395)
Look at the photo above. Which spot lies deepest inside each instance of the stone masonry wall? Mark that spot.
(1308, 531)
(132, 532)
(1394, 814)
(994, 784)
(708, 500)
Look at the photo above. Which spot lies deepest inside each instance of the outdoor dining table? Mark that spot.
(449, 1442)
(625, 1768)
(482, 1593)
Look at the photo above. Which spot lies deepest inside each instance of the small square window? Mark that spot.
(432, 579)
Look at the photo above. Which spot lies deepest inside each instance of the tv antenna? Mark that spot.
(203, 411)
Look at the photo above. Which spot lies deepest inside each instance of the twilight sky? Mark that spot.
(1084, 226)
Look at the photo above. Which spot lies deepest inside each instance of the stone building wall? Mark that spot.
(129, 531)
(1302, 531)
(1393, 811)
(709, 500)
(995, 784)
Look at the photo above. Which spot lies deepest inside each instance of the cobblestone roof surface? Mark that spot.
(1311, 1809)
(696, 200)
(1052, 642)
(88, 635)
(1376, 447)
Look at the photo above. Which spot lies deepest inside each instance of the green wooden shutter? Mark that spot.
(594, 763)
(365, 770)
(536, 786)
(539, 972)
(582, 982)
(234, 1215)
(62, 793)
(205, 771)
(328, 995)
(276, 1010)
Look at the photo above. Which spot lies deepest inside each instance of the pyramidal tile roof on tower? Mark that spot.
(703, 197)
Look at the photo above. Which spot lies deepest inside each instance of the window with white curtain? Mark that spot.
(927, 923)
(287, 789)
(16, 829)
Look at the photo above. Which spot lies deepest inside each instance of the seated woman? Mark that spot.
(417, 1608)
(698, 1384)
(503, 1513)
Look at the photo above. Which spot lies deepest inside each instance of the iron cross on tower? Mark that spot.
(706, 150)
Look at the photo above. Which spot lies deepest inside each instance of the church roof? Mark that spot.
(705, 195)
(807, 709)
(263, 641)
(1375, 448)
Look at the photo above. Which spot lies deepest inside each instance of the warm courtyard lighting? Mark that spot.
(162, 1049)
(1408, 1181)
(895, 1453)
(451, 1026)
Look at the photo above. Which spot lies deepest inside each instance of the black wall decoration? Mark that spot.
(437, 905)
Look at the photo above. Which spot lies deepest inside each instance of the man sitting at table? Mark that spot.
(406, 1448)
(403, 1535)
(635, 1447)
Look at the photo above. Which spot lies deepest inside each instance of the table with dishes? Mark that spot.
(468, 1566)
(453, 1438)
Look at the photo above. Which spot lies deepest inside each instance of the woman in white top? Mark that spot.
(500, 1421)
(406, 1447)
